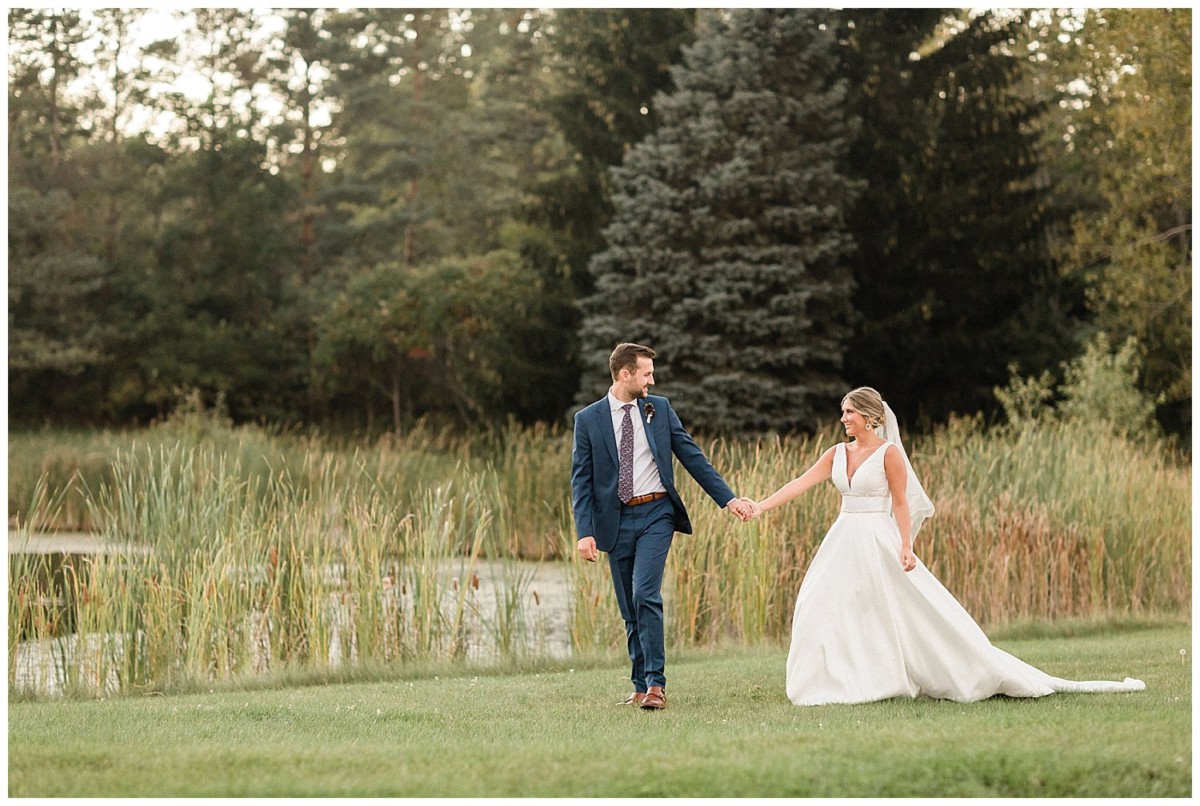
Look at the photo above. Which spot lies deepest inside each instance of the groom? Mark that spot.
(625, 503)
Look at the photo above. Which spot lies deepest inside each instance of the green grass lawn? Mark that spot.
(729, 731)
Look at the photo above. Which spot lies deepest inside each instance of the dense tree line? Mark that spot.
(359, 218)
(727, 247)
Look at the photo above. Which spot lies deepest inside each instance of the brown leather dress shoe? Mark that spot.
(633, 699)
(655, 699)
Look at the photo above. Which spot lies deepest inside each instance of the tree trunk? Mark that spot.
(418, 89)
(396, 389)
(53, 92)
(307, 193)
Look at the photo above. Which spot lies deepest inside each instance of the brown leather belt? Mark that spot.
(644, 499)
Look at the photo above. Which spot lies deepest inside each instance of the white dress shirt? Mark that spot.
(645, 471)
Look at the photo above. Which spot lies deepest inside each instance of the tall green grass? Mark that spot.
(305, 559)
(235, 552)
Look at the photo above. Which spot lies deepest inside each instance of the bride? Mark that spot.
(871, 621)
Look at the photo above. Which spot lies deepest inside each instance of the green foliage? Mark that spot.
(725, 253)
(194, 417)
(1099, 390)
(58, 329)
(610, 65)
(222, 261)
(599, 80)
(443, 133)
(45, 61)
(1131, 123)
(1025, 400)
(183, 212)
(433, 135)
(954, 278)
(432, 339)
(1101, 386)
(403, 141)
(49, 278)
(143, 274)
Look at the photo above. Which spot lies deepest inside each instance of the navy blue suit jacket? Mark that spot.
(594, 468)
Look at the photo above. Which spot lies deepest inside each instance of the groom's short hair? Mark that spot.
(626, 357)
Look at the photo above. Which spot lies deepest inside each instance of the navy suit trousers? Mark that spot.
(637, 562)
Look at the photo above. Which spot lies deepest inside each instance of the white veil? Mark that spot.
(919, 505)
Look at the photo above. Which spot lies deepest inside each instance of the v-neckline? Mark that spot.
(846, 468)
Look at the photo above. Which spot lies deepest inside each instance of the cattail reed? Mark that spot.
(231, 552)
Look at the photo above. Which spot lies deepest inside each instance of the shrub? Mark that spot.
(1099, 390)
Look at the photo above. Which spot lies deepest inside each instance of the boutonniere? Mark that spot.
(649, 412)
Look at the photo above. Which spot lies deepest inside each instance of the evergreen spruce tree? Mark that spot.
(607, 64)
(726, 250)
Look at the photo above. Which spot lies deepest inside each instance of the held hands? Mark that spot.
(745, 509)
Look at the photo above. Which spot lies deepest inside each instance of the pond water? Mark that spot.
(541, 628)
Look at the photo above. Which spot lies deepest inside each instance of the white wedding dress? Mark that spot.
(865, 630)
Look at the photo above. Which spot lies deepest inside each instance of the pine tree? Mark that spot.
(56, 283)
(954, 278)
(727, 246)
(603, 68)
(611, 63)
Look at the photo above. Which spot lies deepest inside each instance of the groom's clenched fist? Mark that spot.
(587, 549)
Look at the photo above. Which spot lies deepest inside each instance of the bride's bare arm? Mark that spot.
(821, 470)
(897, 479)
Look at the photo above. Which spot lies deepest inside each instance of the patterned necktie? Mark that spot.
(625, 468)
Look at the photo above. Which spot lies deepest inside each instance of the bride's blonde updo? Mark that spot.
(867, 402)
